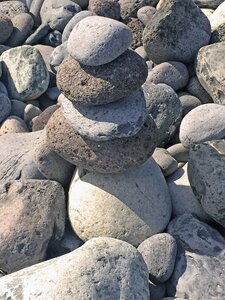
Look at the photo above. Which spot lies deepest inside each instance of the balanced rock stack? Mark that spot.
(103, 127)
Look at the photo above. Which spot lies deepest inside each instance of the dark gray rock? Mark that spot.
(98, 40)
(53, 38)
(38, 34)
(195, 88)
(35, 9)
(176, 32)
(218, 35)
(5, 107)
(164, 106)
(205, 172)
(101, 84)
(105, 8)
(200, 260)
(188, 103)
(137, 28)
(129, 8)
(32, 216)
(208, 3)
(165, 161)
(6, 28)
(58, 56)
(3, 89)
(18, 108)
(119, 119)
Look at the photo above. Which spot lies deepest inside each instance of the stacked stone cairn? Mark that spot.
(103, 128)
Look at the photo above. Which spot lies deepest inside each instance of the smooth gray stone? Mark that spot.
(32, 216)
(97, 40)
(18, 108)
(207, 178)
(122, 118)
(159, 253)
(53, 93)
(182, 196)
(164, 106)
(145, 13)
(210, 70)
(203, 123)
(57, 13)
(57, 56)
(5, 107)
(179, 152)
(17, 156)
(172, 73)
(22, 27)
(157, 291)
(198, 272)
(35, 9)
(73, 22)
(103, 268)
(3, 89)
(38, 34)
(6, 28)
(195, 88)
(176, 32)
(53, 38)
(165, 161)
(188, 103)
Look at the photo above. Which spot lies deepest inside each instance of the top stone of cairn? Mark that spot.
(96, 40)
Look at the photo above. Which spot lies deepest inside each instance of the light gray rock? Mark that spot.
(22, 27)
(25, 73)
(57, 13)
(130, 206)
(165, 161)
(98, 40)
(145, 14)
(198, 271)
(195, 88)
(122, 118)
(102, 268)
(30, 112)
(159, 253)
(5, 107)
(73, 22)
(191, 31)
(210, 70)
(164, 106)
(141, 51)
(57, 56)
(35, 9)
(218, 17)
(188, 102)
(13, 124)
(179, 152)
(12, 8)
(17, 156)
(32, 216)
(172, 73)
(205, 172)
(182, 196)
(203, 123)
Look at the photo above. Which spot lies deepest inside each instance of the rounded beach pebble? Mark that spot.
(98, 40)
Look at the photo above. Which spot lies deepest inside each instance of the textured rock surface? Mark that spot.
(130, 206)
(137, 28)
(159, 253)
(195, 88)
(41, 121)
(182, 196)
(129, 8)
(111, 156)
(102, 84)
(5, 107)
(32, 216)
(13, 124)
(207, 177)
(176, 32)
(105, 8)
(12, 8)
(119, 119)
(6, 29)
(203, 123)
(98, 40)
(145, 14)
(25, 73)
(200, 259)
(100, 268)
(210, 70)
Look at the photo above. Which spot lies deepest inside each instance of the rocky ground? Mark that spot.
(112, 149)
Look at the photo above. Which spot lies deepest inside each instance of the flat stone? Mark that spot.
(190, 31)
(159, 253)
(172, 73)
(101, 84)
(12, 8)
(101, 267)
(6, 28)
(210, 71)
(24, 72)
(113, 156)
(166, 162)
(182, 196)
(13, 124)
(32, 216)
(200, 259)
(98, 40)
(57, 13)
(105, 8)
(164, 106)
(203, 123)
(73, 22)
(205, 172)
(119, 119)
(5, 107)
(130, 206)
(22, 27)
